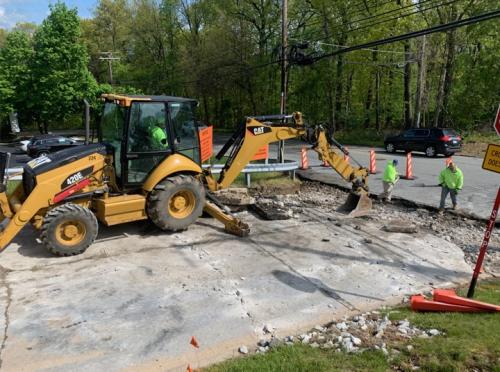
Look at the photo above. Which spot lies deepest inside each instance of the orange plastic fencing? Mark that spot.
(206, 143)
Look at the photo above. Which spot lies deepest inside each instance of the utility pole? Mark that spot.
(284, 68)
(108, 56)
(420, 83)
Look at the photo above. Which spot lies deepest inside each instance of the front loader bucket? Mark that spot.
(356, 205)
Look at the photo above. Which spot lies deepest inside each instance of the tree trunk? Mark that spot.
(420, 84)
(377, 101)
(388, 112)
(369, 96)
(348, 96)
(448, 76)
(339, 91)
(439, 99)
(407, 86)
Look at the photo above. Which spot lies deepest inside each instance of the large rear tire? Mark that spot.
(176, 202)
(69, 229)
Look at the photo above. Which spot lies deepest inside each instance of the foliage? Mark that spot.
(226, 53)
(61, 79)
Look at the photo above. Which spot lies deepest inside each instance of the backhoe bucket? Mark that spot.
(356, 205)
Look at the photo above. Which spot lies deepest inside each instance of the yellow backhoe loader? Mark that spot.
(146, 165)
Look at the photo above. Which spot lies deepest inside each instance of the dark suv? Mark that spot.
(431, 141)
(47, 143)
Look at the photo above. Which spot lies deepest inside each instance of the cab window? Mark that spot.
(185, 129)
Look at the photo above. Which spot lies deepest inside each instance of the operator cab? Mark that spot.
(144, 130)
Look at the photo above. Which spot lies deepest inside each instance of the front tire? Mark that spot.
(69, 229)
(176, 202)
(390, 148)
(42, 153)
(430, 152)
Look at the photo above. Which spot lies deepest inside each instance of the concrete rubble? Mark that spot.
(369, 330)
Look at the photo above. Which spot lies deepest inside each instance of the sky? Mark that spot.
(14, 11)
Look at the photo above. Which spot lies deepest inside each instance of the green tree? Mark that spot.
(61, 79)
(15, 75)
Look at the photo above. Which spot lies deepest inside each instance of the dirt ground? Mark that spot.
(464, 232)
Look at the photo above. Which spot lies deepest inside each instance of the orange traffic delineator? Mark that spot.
(189, 369)
(194, 342)
(420, 303)
(304, 164)
(409, 167)
(346, 156)
(450, 297)
(373, 162)
(448, 161)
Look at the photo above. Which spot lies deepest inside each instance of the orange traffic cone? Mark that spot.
(189, 369)
(409, 167)
(373, 162)
(304, 164)
(450, 297)
(194, 342)
(419, 303)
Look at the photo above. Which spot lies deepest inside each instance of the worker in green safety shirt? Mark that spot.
(390, 178)
(451, 180)
(158, 137)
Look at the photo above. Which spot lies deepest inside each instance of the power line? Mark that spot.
(414, 34)
(379, 14)
(394, 18)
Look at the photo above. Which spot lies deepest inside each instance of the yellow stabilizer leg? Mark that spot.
(232, 225)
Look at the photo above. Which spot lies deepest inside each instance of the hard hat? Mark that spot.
(395, 162)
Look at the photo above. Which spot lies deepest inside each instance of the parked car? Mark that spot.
(431, 141)
(23, 145)
(47, 143)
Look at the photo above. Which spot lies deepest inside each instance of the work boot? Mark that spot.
(441, 211)
(454, 207)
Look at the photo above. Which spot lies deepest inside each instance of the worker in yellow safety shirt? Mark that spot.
(390, 178)
(451, 180)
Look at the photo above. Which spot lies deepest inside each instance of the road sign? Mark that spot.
(496, 125)
(491, 160)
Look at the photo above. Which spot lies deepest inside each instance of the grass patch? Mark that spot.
(477, 137)
(268, 179)
(471, 342)
(11, 186)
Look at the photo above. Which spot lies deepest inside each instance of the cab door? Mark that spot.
(147, 142)
(184, 127)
